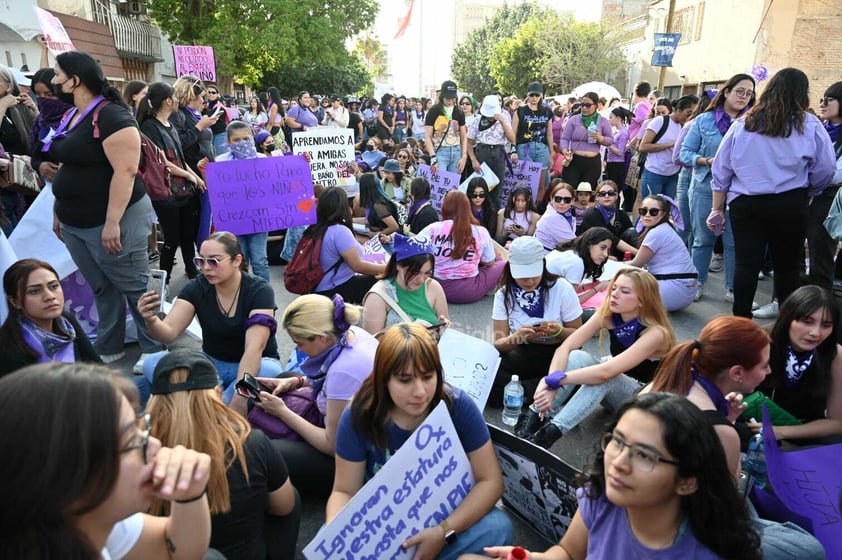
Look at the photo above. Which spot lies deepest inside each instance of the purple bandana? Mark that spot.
(796, 364)
(723, 120)
(197, 116)
(316, 367)
(416, 205)
(63, 129)
(833, 130)
(607, 213)
(712, 390)
(50, 347)
(626, 333)
(532, 303)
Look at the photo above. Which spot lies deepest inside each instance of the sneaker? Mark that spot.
(698, 295)
(837, 285)
(154, 256)
(761, 276)
(138, 365)
(768, 311)
(546, 436)
(729, 297)
(716, 264)
(109, 358)
(528, 423)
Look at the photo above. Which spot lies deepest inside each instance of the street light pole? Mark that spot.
(662, 74)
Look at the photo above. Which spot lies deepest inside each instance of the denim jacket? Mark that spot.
(702, 140)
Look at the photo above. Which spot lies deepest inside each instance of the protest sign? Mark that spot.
(664, 49)
(486, 173)
(523, 175)
(261, 194)
(58, 41)
(196, 61)
(441, 183)
(420, 485)
(374, 251)
(329, 151)
(538, 487)
(469, 364)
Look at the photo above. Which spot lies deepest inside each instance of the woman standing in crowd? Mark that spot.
(660, 173)
(534, 135)
(102, 212)
(83, 496)
(669, 496)
(17, 114)
(193, 128)
(767, 167)
(533, 313)
(386, 117)
(519, 217)
(466, 264)
(640, 334)
(558, 224)
(682, 191)
(50, 111)
(38, 329)
(421, 212)
(381, 214)
(582, 260)
(407, 290)
(607, 214)
(235, 310)
(213, 104)
(663, 253)
(276, 111)
(133, 94)
(256, 115)
(299, 118)
(582, 141)
(178, 214)
(417, 119)
(487, 136)
(616, 162)
(401, 118)
(255, 512)
(481, 206)
(406, 384)
(445, 134)
(341, 255)
(698, 150)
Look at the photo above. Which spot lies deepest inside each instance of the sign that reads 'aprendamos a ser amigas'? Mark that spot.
(261, 194)
(330, 151)
(419, 486)
(441, 183)
(196, 61)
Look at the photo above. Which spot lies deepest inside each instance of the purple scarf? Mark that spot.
(796, 364)
(416, 205)
(197, 116)
(244, 149)
(571, 219)
(712, 390)
(51, 112)
(626, 333)
(723, 120)
(607, 213)
(50, 347)
(532, 303)
(478, 215)
(833, 130)
(316, 368)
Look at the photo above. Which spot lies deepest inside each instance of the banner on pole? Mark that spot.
(665, 45)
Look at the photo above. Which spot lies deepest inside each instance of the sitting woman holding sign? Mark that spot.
(407, 383)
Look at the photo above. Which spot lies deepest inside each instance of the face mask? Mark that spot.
(370, 147)
(269, 147)
(60, 95)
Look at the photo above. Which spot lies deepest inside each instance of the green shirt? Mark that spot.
(415, 303)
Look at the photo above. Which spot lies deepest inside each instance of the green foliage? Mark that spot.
(370, 51)
(346, 76)
(514, 61)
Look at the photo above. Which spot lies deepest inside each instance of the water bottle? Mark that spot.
(755, 462)
(592, 133)
(512, 401)
(627, 256)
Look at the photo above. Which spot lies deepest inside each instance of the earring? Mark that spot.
(740, 381)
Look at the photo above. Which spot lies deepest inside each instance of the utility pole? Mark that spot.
(662, 74)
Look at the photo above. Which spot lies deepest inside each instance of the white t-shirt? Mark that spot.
(123, 537)
(566, 264)
(661, 162)
(562, 307)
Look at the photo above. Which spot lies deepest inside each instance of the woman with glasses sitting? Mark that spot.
(481, 206)
(607, 214)
(558, 224)
(235, 311)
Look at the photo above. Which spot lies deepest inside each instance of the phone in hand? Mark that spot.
(219, 110)
(717, 221)
(250, 388)
(158, 283)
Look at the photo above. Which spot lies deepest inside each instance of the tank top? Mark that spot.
(415, 303)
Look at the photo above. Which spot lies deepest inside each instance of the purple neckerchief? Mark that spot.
(607, 213)
(49, 117)
(63, 129)
(416, 205)
(50, 346)
(532, 302)
(197, 116)
(714, 392)
(833, 130)
(626, 333)
(571, 219)
(477, 215)
(315, 367)
(723, 120)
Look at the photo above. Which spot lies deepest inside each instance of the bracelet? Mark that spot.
(559, 331)
(194, 499)
(555, 379)
(300, 381)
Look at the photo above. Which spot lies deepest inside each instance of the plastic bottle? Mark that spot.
(755, 462)
(592, 133)
(512, 401)
(627, 256)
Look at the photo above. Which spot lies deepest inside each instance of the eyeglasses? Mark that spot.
(651, 211)
(562, 199)
(606, 193)
(403, 156)
(740, 92)
(213, 92)
(641, 458)
(587, 105)
(212, 262)
(826, 100)
(477, 195)
(144, 439)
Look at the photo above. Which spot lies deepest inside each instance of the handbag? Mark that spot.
(19, 177)
(301, 401)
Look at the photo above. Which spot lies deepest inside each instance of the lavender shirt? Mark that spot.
(575, 135)
(641, 112)
(749, 163)
(337, 240)
(670, 254)
(552, 228)
(349, 370)
(621, 142)
(661, 162)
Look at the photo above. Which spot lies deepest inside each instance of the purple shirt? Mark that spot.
(676, 150)
(641, 113)
(621, 142)
(669, 253)
(337, 240)
(304, 117)
(575, 135)
(552, 228)
(349, 370)
(749, 163)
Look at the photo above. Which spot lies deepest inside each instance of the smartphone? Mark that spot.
(250, 388)
(436, 327)
(158, 283)
(718, 223)
(219, 110)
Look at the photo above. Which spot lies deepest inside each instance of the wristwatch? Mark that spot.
(449, 534)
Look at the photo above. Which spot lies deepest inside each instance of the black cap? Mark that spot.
(202, 372)
(335, 97)
(448, 90)
(535, 87)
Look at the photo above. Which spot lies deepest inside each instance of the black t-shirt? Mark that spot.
(593, 218)
(533, 124)
(421, 219)
(381, 210)
(354, 120)
(195, 144)
(388, 118)
(238, 534)
(437, 118)
(82, 182)
(223, 337)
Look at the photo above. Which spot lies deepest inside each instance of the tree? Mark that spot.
(370, 50)
(471, 62)
(515, 60)
(347, 76)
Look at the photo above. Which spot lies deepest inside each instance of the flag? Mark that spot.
(403, 23)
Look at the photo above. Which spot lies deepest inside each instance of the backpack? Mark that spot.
(641, 158)
(303, 273)
(152, 168)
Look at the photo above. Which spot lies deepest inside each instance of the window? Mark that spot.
(682, 22)
(672, 92)
(699, 19)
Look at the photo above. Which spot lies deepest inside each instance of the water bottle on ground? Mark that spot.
(755, 462)
(592, 133)
(512, 401)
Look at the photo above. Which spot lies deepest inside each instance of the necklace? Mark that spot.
(227, 312)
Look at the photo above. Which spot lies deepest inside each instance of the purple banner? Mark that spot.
(262, 194)
(525, 174)
(194, 60)
(440, 184)
(374, 251)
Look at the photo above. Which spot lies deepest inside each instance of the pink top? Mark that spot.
(468, 266)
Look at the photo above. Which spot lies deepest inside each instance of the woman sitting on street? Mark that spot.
(607, 214)
(558, 224)
(519, 217)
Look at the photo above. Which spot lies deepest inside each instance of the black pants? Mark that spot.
(822, 246)
(583, 168)
(354, 290)
(179, 222)
(615, 171)
(495, 157)
(530, 362)
(310, 470)
(779, 220)
(281, 533)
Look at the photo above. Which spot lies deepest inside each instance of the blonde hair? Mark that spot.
(198, 420)
(184, 91)
(311, 315)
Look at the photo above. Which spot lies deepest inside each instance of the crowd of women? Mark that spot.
(229, 440)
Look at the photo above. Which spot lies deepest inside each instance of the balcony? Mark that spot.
(136, 39)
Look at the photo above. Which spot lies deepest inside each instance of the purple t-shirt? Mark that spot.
(610, 533)
(303, 116)
(337, 240)
(670, 254)
(349, 370)
(552, 228)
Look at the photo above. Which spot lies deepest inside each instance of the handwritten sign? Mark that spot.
(374, 251)
(329, 151)
(196, 61)
(58, 41)
(486, 173)
(537, 486)
(262, 194)
(469, 363)
(420, 485)
(440, 184)
(525, 174)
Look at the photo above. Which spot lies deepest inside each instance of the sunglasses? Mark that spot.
(402, 156)
(587, 105)
(477, 195)
(465, 103)
(562, 199)
(651, 211)
(213, 92)
(606, 193)
(212, 262)
(534, 95)
(826, 100)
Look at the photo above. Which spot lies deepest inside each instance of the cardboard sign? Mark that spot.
(58, 41)
(261, 194)
(196, 61)
(469, 363)
(525, 174)
(486, 173)
(329, 151)
(538, 487)
(440, 184)
(375, 252)
(420, 485)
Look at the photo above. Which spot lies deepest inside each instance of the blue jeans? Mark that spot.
(293, 236)
(400, 134)
(534, 151)
(220, 143)
(682, 197)
(653, 183)
(493, 529)
(701, 200)
(448, 158)
(254, 249)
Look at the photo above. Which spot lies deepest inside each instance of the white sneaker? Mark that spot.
(716, 264)
(768, 311)
(138, 365)
(698, 295)
(109, 358)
